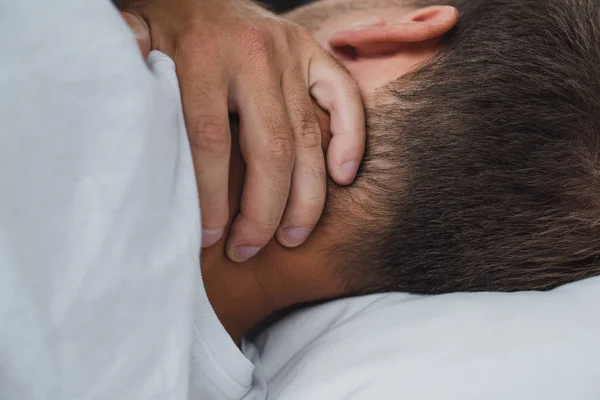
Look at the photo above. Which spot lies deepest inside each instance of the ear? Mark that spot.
(380, 37)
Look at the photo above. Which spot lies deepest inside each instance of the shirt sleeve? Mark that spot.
(99, 219)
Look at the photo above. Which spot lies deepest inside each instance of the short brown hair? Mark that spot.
(482, 170)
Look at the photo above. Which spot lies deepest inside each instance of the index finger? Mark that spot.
(333, 89)
(204, 90)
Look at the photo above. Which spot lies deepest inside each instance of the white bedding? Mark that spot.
(518, 346)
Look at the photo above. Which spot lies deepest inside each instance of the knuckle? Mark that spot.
(353, 90)
(214, 210)
(285, 38)
(265, 229)
(313, 209)
(214, 204)
(210, 134)
(348, 85)
(309, 210)
(279, 151)
(258, 43)
(306, 131)
(318, 173)
(213, 214)
(303, 121)
(262, 229)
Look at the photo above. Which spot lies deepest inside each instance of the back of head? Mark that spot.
(483, 167)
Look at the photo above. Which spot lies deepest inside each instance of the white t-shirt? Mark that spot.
(100, 288)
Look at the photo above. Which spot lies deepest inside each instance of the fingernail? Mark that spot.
(243, 253)
(295, 236)
(211, 236)
(350, 169)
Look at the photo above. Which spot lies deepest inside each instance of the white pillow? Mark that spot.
(530, 345)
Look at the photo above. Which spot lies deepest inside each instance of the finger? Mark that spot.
(308, 187)
(267, 147)
(204, 93)
(141, 31)
(335, 91)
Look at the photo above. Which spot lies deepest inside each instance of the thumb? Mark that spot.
(141, 30)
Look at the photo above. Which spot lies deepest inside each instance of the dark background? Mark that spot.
(275, 5)
(283, 5)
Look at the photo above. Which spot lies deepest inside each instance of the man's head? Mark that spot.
(483, 166)
(482, 169)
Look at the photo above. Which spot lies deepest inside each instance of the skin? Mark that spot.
(232, 56)
(389, 42)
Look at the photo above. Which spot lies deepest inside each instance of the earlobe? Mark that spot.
(422, 25)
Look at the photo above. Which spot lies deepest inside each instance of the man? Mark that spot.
(481, 165)
(279, 276)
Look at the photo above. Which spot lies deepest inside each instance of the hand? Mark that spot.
(234, 57)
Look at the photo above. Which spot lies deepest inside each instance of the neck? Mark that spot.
(243, 295)
(236, 296)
